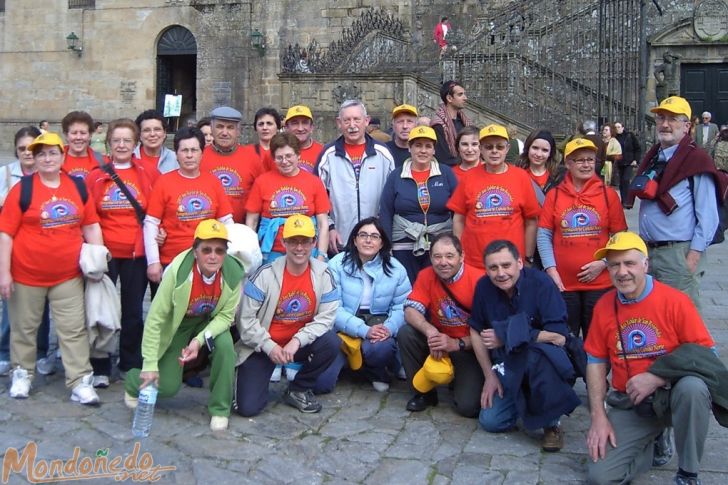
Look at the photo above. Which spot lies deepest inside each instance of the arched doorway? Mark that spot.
(177, 70)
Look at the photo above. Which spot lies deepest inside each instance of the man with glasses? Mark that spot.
(679, 218)
(287, 316)
(354, 169)
(706, 132)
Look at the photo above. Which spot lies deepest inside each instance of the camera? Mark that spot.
(645, 186)
(645, 409)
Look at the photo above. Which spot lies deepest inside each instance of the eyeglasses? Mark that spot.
(208, 250)
(121, 141)
(298, 241)
(584, 161)
(156, 129)
(500, 146)
(189, 151)
(659, 118)
(365, 235)
(287, 157)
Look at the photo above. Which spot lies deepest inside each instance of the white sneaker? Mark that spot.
(84, 391)
(218, 423)
(380, 386)
(276, 375)
(46, 366)
(20, 387)
(101, 382)
(5, 367)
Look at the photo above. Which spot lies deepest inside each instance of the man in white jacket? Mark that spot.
(287, 316)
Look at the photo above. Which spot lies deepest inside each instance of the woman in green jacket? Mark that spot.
(196, 301)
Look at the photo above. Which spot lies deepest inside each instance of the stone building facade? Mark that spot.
(209, 51)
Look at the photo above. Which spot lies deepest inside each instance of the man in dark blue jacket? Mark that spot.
(519, 323)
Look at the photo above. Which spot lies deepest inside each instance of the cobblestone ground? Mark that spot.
(361, 436)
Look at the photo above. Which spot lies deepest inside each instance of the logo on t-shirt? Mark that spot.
(306, 165)
(287, 201)
(580, 221)
(194, 205)
(641, 339)
(201, 305)
(294, 307)
(450, 314)
(58, 212)
(494, 201)
(230, 180)
(78, 172)
(115, 198)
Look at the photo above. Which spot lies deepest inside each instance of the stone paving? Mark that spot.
(360, 436)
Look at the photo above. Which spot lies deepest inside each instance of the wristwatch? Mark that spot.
(461, 344)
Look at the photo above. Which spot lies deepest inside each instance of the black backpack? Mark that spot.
(720, 177)
(26, 190)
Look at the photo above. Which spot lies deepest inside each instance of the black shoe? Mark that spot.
(662, 448)
(304, 401)
(419, 402)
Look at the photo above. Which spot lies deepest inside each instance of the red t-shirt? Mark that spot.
(236, 171)
(423, 193)
(119, 223)
(203, 297)
(295, 307)
(356, 153)
(581, 223)
(495, 206)
(460, 173)
(47, 238)
(275, 195)
(445, 314)
(539, 179)
(308, 157)
(181, 203)
(79, 166)
(150, 163)
(653, 327)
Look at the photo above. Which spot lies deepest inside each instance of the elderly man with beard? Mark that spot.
(437, 335)
(354, 169)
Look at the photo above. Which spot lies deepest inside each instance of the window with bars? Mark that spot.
(80, 3)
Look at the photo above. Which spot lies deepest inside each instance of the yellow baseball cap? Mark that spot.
(622, 241)
(211, 229)
(675, 105)
(404, 108)
(494, 130)
(433, 373)
(351, 347)
(578, 144)
(47, 138)
(298, 110)
(422, 132)
(298, 225)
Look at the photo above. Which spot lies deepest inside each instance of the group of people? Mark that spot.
(448, 265)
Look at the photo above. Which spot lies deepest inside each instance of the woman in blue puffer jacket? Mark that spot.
(372, 287)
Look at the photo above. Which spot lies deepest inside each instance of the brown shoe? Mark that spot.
(553, 439)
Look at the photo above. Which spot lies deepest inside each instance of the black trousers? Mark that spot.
(469, 379)
(133, 276)
(253, 376)
(579, 309)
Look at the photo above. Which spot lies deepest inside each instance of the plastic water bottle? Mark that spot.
(144, 413)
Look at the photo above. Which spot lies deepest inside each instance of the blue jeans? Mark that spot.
(502, 415)
(42, 341)
(376, 356)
